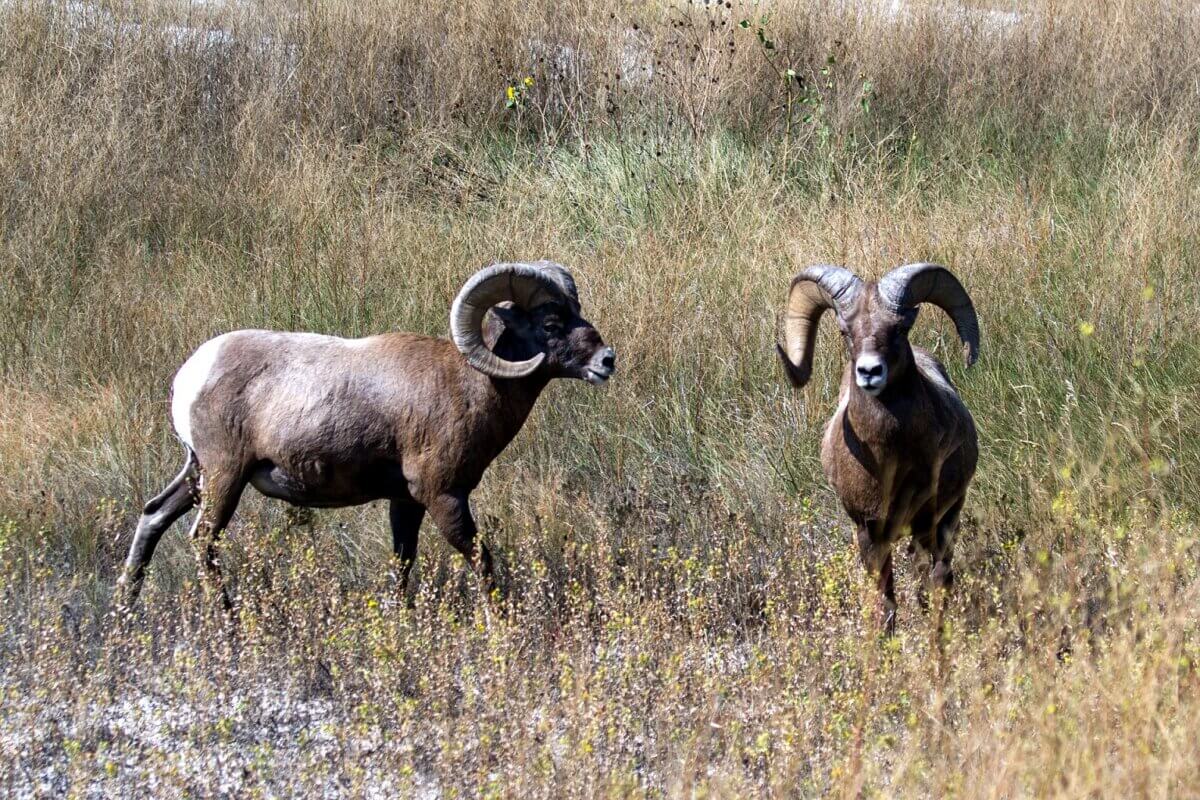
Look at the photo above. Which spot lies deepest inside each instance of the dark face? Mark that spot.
(876, 342)
(572, 346)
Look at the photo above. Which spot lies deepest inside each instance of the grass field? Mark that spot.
(687, 616)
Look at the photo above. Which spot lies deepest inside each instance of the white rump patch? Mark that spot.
(190, 379)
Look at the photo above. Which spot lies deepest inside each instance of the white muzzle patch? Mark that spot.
(603, 365)
(870, 373)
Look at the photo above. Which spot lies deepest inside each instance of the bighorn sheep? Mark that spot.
(901, 448)
(321, 421)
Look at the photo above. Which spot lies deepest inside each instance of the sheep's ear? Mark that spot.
(501, 317)
(509, 315)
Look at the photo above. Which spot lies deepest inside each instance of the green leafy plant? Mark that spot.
(517, 93)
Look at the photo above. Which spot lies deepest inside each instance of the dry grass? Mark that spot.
(686, 614)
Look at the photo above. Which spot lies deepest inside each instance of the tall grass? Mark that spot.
(686, 614)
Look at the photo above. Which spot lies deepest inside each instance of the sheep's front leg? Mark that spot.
(876, 555)
(452, 513)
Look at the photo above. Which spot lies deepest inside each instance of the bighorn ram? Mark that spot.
(321, 421)
(901, 448)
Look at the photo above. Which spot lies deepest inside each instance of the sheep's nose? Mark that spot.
(870, 370)
(608, 358)
(870, 373)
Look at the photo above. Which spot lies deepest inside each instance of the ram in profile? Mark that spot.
(901, 447)
(320, 421)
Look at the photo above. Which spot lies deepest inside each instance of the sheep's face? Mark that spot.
(573, 347)
(876, 342)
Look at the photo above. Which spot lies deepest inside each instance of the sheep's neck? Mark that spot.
(509, 402)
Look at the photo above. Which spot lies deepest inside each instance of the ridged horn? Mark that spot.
(528, 285)
(561, 276)
(907, 287)
(813, 290)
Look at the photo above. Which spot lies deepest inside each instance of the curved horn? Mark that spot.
(527, 285)
(561, 276)
(813, 290)
(909, 286)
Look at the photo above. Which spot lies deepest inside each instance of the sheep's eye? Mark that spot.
(551, 326)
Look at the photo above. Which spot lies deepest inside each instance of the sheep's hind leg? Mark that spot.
(924, 535)
(941, 574)
(405, 518)
(221, 491)
(159, 514)
(887, 592)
